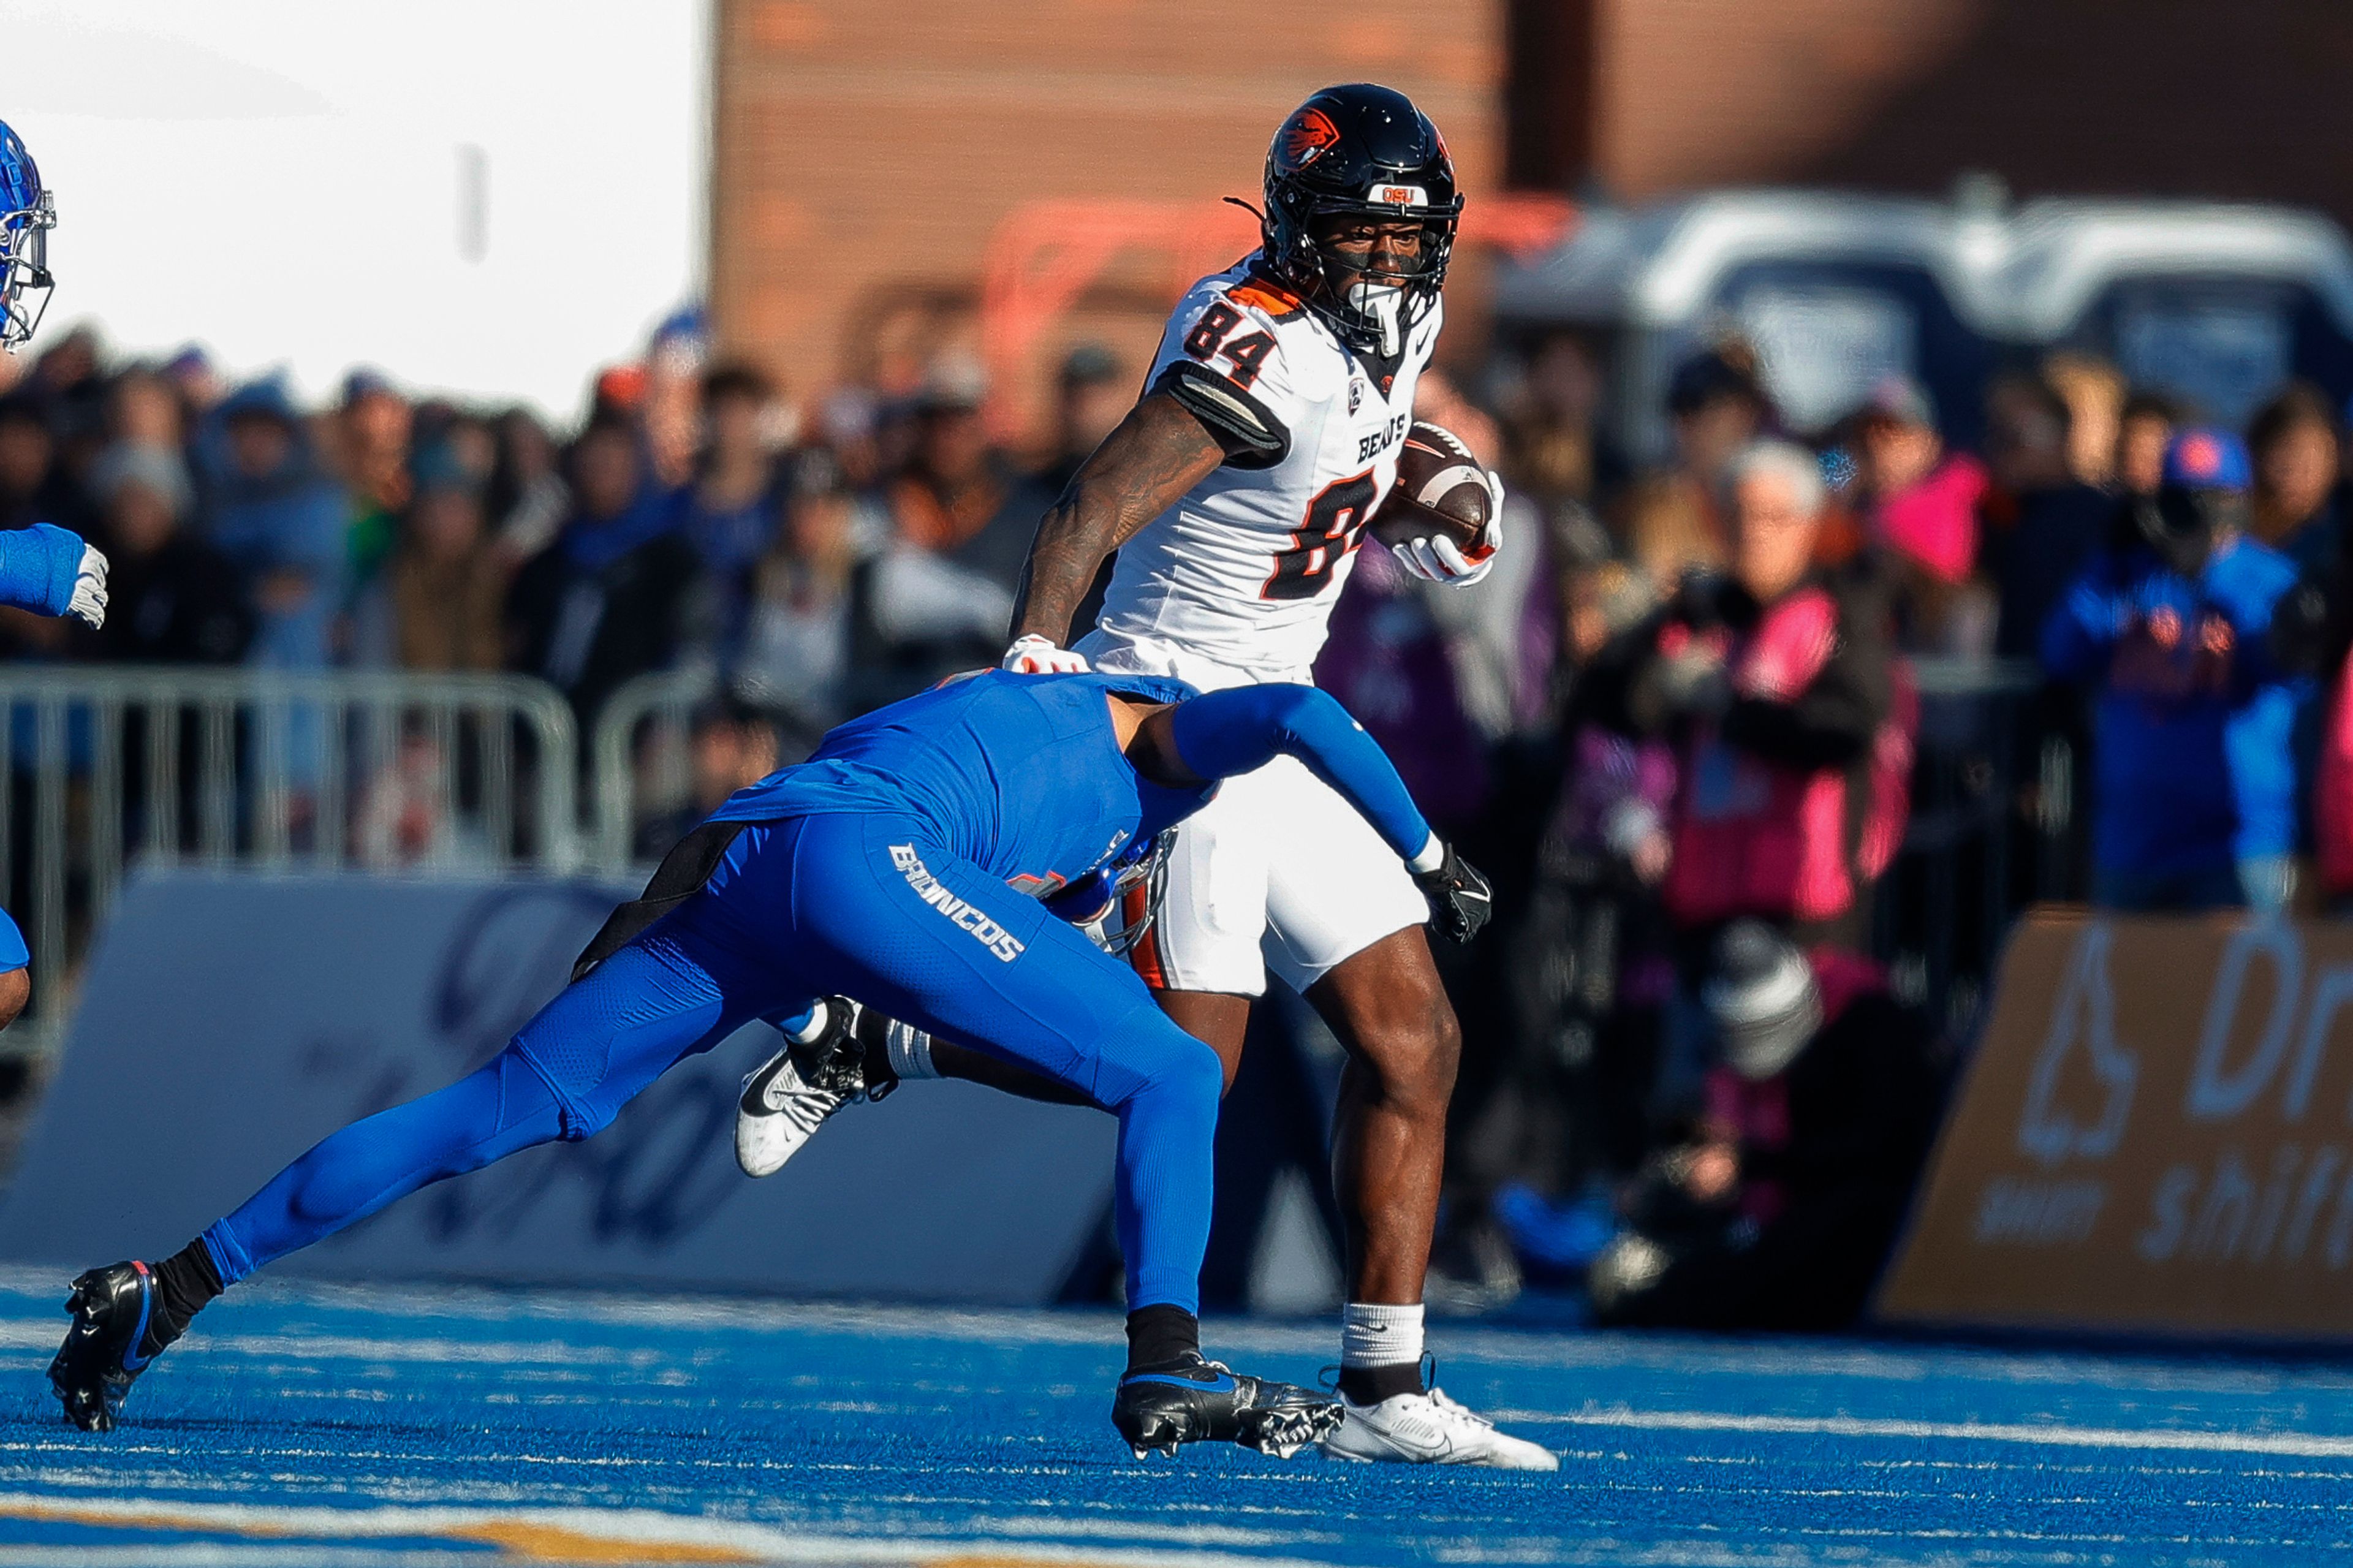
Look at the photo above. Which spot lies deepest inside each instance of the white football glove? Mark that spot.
(1034, 655)
(1440, 560)
(88, 600)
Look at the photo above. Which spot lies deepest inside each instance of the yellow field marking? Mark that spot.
(544, 1538)
(519, 1538)
(139, 1517)
(554, 1543)
(527, 1540)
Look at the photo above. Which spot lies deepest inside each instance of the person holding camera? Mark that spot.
(1817, 1107)
(1772, 685)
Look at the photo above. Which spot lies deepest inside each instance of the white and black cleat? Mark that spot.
(1429, 1429)
(792, 1094)
(1190, 1400)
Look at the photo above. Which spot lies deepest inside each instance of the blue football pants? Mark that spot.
(858, 904)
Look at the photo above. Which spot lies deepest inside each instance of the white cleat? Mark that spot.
(1429, 1429)
(796, 1092)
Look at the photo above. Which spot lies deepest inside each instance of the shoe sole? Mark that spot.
(1465, 1461)
(1279, 1434)
(85, 1406)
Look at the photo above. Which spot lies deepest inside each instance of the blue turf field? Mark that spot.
(318, 1424)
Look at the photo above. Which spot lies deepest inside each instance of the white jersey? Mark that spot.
(1235, 584)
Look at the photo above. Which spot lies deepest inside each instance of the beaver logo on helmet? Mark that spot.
(1306, 136)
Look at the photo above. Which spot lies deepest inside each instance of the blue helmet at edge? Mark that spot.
(27, 214)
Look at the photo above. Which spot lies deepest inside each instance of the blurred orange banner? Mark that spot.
(2155, 1135)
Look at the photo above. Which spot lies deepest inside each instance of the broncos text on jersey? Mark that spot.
(1240, 576)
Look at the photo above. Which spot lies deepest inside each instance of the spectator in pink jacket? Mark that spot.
(1918, 505)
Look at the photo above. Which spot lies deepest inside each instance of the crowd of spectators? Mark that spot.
(1717, 771)
(1679, 721)
(820, 559)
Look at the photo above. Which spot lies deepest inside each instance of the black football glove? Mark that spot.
(1461, 903)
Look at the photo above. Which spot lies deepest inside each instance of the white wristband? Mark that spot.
(1432, 856)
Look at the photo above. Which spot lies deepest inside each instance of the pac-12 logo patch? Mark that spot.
(1305, 137)
(1356, 395)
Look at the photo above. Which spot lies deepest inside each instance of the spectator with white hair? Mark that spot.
(1772, 682)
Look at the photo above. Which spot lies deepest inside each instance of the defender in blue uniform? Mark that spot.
(881, 867)
(45, 569)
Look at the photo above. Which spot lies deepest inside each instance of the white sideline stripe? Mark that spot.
(1010, 1542)
(2296, 1444)
(20, 1335)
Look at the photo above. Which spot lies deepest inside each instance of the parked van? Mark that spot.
(2219, 305)
(1833, 291)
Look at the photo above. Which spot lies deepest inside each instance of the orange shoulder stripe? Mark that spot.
(1272, 298)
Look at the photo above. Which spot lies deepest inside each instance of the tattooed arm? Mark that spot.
(1158, 452)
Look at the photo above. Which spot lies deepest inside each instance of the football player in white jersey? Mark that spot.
(1236, 494)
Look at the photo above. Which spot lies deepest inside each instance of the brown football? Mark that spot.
(1442, 490)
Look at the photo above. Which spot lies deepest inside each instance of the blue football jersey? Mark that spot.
(1020, 774)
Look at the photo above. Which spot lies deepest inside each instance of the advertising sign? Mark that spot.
(2155, 1135)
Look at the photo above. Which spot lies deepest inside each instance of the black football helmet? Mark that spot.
(1363, 151)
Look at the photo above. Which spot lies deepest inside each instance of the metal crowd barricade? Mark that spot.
(1994, 821)
(1994, 825)
(639, 752)
(108, 765)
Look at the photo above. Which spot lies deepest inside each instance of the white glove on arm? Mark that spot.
(89, 601)
(1440, 560)
(1034, 655)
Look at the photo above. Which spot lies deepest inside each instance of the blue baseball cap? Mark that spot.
(2207, 458)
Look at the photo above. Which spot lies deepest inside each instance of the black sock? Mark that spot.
(184, 1283)
(1371, 1385)
(1156, 1335)
(874, 1036)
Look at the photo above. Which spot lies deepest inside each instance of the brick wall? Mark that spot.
(865, 152)
(2183, 98)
